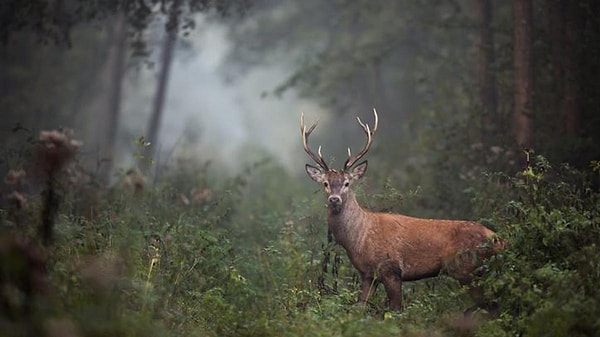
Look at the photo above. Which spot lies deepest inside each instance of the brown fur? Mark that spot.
(392, 248)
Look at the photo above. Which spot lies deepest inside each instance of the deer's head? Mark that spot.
(337, 183)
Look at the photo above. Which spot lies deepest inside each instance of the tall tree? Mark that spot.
(571, 106)
(163, 79)
(556, 22)
(564, 26)
(486, 76)
(523, 73)
(118, 56)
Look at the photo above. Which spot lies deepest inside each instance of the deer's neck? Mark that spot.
(349, 224)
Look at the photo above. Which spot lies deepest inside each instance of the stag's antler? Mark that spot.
(352, 160)
(317, 158)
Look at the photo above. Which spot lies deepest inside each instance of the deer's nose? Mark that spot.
(334, 199)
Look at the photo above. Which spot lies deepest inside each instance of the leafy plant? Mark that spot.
(544, 281)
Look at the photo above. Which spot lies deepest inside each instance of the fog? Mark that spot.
(210, 117)
(336, 60)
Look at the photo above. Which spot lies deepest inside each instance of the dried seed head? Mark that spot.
(54, 151)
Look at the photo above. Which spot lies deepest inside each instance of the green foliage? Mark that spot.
(170, 263)
(545, 282)
(53, 22)
(252, 258)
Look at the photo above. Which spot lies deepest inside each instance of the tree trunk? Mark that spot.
(118, 49)
(523, 76)
(161, 90)
(485, 73)
(556, 18)
(564, 29)
(570, 106)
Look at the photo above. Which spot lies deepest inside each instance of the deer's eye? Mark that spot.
(347, 183)
(325, 184)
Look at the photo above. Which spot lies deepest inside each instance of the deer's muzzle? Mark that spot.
(335, 200)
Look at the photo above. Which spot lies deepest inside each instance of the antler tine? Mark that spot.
(364, 126)
(351, 160)
(305, 134)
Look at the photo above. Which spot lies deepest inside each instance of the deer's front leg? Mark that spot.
(367, 287)
(392, 280)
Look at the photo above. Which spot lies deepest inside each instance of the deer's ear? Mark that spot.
(314, 173)
(359, 170)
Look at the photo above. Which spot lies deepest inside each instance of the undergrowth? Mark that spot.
(195, 255)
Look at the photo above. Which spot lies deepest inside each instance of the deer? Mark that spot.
(392, 248)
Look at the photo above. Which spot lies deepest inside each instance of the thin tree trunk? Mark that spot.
(570, 106)
(556, 15)
(523, 77)
(119, 47)
(485, 72)
(163, 79)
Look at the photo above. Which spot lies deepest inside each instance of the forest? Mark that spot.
(154, 181)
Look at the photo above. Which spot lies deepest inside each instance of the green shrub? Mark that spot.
(197, 254)
(545, 282)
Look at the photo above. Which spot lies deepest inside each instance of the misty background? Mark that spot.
(207, 116)
(155, 86)
(213, 118)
